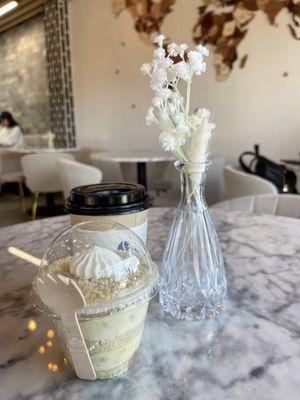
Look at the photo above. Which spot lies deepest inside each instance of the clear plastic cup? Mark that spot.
(113, 319)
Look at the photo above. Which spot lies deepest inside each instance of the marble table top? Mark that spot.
(132, 156)
(250, 352)
(30, 150)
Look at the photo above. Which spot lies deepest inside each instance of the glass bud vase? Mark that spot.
(193, 282)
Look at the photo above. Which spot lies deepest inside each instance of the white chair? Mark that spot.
(74, 173)
(214, 186)
(287, 205)
(41, 174)
(239, 183)
(11, 172)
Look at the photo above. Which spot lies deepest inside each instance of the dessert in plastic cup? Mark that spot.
(117, 277)
(125, 203)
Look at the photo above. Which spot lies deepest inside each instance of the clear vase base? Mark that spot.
(187, 312)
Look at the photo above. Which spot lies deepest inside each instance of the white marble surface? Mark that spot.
(252, 352)
(132, 156)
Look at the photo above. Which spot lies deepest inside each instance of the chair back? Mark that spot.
(10, 161)
(41, 171)
(287, 205)
(214, 186)
(73, 173)
(239, 184)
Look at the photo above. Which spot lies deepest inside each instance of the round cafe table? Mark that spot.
(139, 157)
(251, 351)
(46, 150)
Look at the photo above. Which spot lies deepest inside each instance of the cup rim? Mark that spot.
(121, 304)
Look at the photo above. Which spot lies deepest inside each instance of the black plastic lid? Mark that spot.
(107, 199)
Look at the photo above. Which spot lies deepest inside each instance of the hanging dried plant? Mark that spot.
(223, 24)
(148, 15)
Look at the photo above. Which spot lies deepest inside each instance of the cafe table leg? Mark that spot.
(142, 174)
(35, 197)
(50, 200)
(22, 197)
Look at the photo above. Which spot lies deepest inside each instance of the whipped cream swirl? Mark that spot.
(98, 262)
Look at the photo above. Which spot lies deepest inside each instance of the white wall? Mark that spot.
(256, 104)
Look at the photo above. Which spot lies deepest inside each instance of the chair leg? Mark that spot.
(35, 197)
(22, 197)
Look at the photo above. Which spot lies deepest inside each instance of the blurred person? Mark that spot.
(11, 133)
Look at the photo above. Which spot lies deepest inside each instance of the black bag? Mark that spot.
(284, 179)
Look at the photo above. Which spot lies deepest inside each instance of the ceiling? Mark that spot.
(25, 10)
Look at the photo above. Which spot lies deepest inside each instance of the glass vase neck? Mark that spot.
(192, 176)
(192, 168)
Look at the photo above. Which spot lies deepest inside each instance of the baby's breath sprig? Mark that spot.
(186, 136)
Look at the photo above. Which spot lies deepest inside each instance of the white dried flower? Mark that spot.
(182, 48)
(159, 53)
(198, 66)
(179, 118)
(203, 113)
(164, 121)
(177, 98)
(150, 117)
(203, 50)
(194, 120)
(173, 49)
(172, 140)
(168, 141)
(181, 138)
(155, 63)
(184, 128)
(165, 63)
(183, 70)
(172, 74)
(146, 69)
(165, 93)
(158, 78)
(186, 136)
(159, 40)
(157, 101)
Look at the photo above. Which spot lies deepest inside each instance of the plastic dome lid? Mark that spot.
(107, 261)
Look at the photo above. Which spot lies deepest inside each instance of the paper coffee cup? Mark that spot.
(125, 203)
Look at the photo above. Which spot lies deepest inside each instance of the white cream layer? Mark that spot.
(98, 262)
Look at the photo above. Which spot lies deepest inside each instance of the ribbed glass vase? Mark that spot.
(193, 282)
